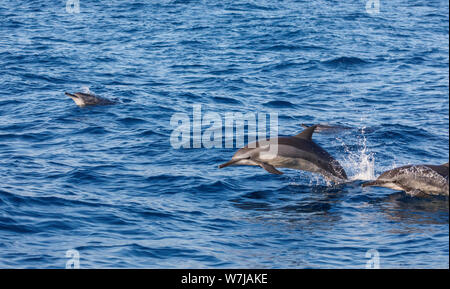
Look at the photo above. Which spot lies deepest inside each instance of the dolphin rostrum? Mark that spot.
(415, 179)
(297, 152)
(83, 99)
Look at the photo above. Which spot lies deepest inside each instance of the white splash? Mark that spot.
(360, 164)
(314, 179)
(85, 89)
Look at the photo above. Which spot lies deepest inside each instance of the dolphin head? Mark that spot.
(387, 179)
(77, 97)
(386, 183)
(241, 157)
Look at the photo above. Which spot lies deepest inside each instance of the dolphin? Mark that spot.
(83, 99)
(327, 128)
(415, 179)
(296, 152)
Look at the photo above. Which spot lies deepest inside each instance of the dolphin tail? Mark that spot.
(338, 170)
(334, 170)
(342, 174)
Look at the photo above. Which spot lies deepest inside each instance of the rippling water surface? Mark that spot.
(106, 181)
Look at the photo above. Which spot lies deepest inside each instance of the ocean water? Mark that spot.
(106, 181)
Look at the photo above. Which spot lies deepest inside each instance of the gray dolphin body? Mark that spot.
(415, 179)
(297, 152)
(84, 99)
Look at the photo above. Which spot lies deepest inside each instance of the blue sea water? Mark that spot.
(105, 180)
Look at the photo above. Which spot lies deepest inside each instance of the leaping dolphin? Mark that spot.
(297, 152)
(83, 99)
(415, 179)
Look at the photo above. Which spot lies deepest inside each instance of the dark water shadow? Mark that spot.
(401, 207)
(302, 206)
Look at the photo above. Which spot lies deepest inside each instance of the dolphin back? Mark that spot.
(312, 152)
(91, 99)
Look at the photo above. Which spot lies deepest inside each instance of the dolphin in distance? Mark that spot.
(83, 99)
(327, 128)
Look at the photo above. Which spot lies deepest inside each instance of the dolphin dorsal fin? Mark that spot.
(307, 133)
